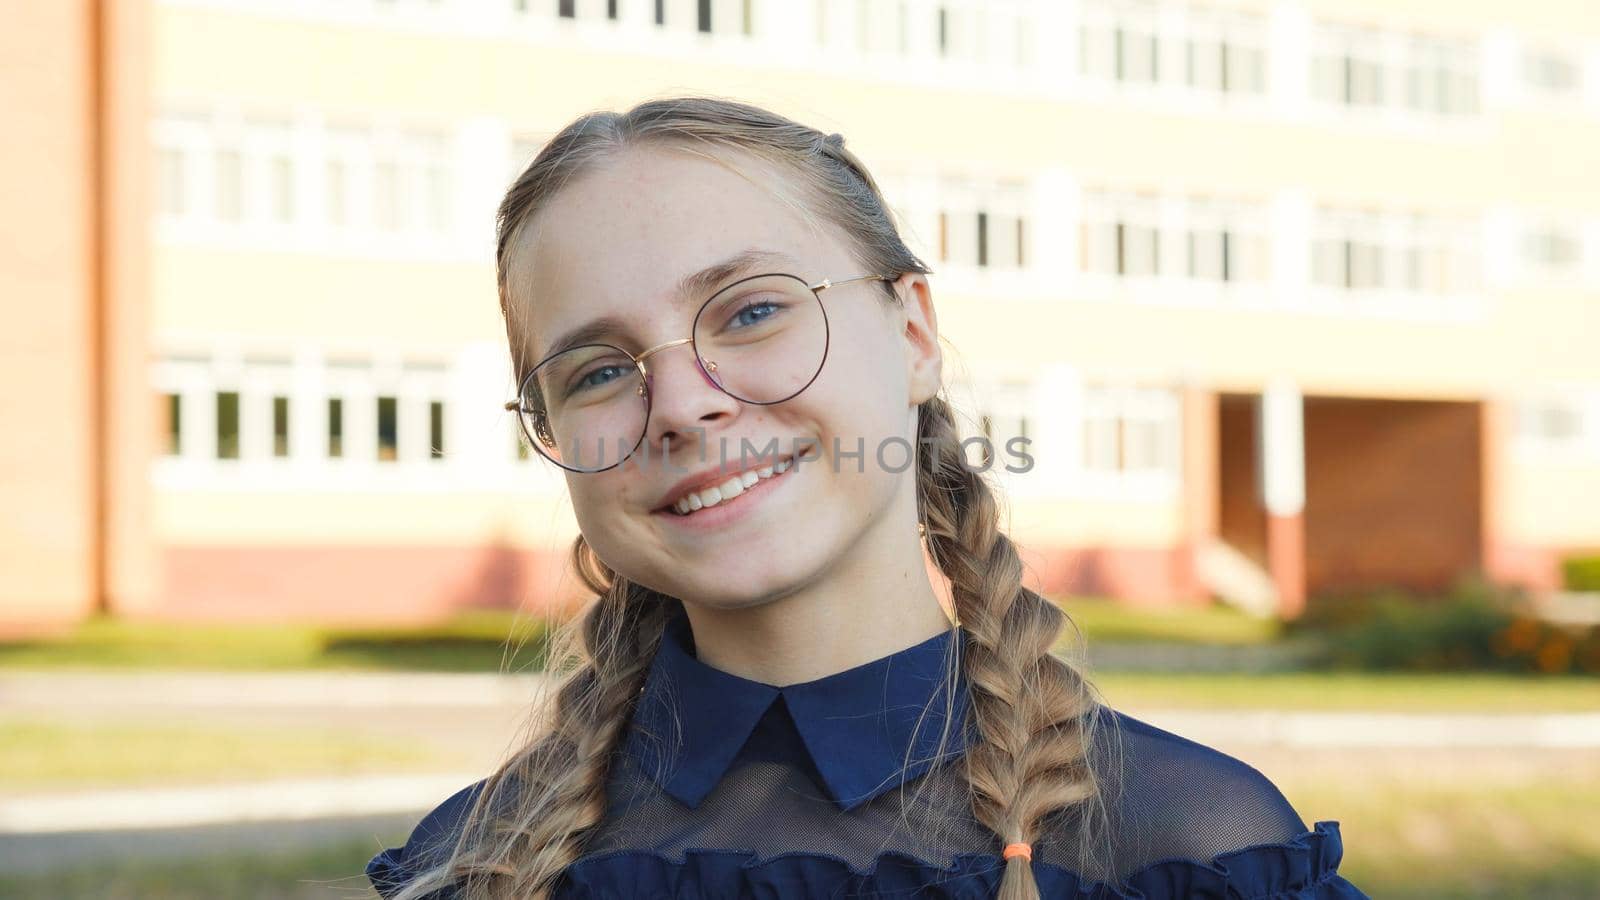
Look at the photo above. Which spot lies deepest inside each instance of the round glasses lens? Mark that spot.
(585, 408)
(763, 339)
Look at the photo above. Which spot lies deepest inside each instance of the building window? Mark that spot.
(216, 170)
(227, 425)
(386, 196)
(335, 192)
(1003, 409)
(1393, 251)
(229, 196)
(1102, 431)
(1220, 52)
(1120, 234)
(1550, 421)
(172, 408)
(1566, 423)
(280, 426)
(1130, 430)
(436, 429)
(388, 429)
(335, 427)
(1552, 250)
(173, 182)
(1552, 73)
(438, 187)
(703, 17)
(1373, 68)
(282, 188)
(1138, 249)
(1143, 235)
(1138, 56)
(980, 222)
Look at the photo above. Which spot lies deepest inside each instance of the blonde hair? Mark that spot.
(1034, 713)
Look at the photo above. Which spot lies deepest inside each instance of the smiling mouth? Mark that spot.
(726, 491)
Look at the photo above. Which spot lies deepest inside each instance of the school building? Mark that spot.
(1289, 296)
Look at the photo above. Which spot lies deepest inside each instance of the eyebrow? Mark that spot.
(695, 285)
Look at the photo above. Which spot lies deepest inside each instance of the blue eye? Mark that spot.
(587, 381)
(742, 318)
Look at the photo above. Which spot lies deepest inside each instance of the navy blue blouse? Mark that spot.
(793, 792)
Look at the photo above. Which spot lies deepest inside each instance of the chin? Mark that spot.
(740, 588)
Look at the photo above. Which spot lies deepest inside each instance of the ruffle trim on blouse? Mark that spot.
(1303, 868)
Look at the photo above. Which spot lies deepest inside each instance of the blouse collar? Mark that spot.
(857, 725)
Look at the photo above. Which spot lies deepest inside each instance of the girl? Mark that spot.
(721, 338)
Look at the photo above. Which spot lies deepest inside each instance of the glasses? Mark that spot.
(761, 340)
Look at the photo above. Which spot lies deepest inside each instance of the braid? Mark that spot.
(556, 784)
(1030, 707)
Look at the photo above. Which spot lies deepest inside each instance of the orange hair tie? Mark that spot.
(1023, 850)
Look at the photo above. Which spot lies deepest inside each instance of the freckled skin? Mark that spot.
(828, 572)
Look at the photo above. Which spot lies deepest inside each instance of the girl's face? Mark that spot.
(615, 243)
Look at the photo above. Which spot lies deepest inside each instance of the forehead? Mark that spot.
(618, 240)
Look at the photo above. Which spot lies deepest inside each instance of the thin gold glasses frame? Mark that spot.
(708, 366)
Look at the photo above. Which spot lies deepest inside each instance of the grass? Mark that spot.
(476, 641)
(40, 755)
(1530, 840)
(332, 871)
(1102, 619)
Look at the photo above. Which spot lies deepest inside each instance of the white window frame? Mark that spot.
(1533, 446)
(1389, 60)
(1446, 246)
(1112, 406)
(1541, 273)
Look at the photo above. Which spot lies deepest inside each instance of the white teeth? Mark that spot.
(727, 490)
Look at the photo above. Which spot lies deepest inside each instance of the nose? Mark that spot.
(682, 395)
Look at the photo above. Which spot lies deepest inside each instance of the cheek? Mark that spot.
(869, 384)
(863, 414)
(593, 504)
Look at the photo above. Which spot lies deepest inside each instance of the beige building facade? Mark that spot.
(1288, 296)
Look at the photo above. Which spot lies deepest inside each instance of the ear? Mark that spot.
(924, 358)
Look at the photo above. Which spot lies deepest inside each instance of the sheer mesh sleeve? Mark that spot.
(1178, 799)
(429, 844)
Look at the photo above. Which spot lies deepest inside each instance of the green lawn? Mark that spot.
(1525, 840)
(1102, 619)
(480, 641)
(483, 641)
(333, 871)
(41, 755)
